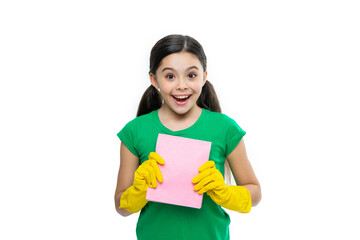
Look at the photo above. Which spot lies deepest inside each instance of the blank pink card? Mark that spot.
(183, 157)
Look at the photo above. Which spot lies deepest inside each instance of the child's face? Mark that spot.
(180, 78)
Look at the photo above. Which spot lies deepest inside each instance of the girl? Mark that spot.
(181, 102)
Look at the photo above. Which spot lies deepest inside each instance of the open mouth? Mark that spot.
(181, 99)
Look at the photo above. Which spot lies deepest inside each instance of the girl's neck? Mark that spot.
(177, 122)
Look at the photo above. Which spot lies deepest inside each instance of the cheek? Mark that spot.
(165, 89)
(197, 87)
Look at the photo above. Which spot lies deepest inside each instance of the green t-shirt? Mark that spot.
(164, 221)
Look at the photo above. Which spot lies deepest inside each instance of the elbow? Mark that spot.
(256, 195)
(123, 212)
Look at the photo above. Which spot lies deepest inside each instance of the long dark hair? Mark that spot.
(151, 99)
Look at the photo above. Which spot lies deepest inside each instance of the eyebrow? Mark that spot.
(172, 69)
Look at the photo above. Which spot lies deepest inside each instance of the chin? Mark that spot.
(180, 109)
(183, 110)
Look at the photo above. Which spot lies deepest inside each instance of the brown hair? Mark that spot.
(151, 99)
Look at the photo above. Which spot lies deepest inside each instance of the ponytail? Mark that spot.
(150, 101)
(208, 98)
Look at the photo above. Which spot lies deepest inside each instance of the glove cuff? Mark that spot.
(243, 197)
(133, 199)
(236, 198)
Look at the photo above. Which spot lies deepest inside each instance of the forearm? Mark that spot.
(123, 212)
(255, 192)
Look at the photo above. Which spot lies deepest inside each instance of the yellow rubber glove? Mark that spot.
(133, 199)
(211, 181)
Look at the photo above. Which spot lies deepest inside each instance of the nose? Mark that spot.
(182, 84)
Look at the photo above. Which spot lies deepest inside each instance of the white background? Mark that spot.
(72, 74)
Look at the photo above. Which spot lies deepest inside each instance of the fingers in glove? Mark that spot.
(209, 179)
(203, 175)
(155, 156)
(150, 171)
(149, 175)
(207, 165)
(209, 187)
(156, 169)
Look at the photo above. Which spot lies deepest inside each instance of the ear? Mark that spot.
(153, 81)
(205, 78)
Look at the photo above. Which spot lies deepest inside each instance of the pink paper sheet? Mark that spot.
(183, 157)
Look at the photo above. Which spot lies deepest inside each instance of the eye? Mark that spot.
(170, 76)
(192, 75)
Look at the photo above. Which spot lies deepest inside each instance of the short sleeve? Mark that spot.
(127, 136)
(234, 135)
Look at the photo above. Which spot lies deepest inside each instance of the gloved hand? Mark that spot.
(211, 181)
(133, 199)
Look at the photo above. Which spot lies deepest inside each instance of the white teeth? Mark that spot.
(181, 97)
